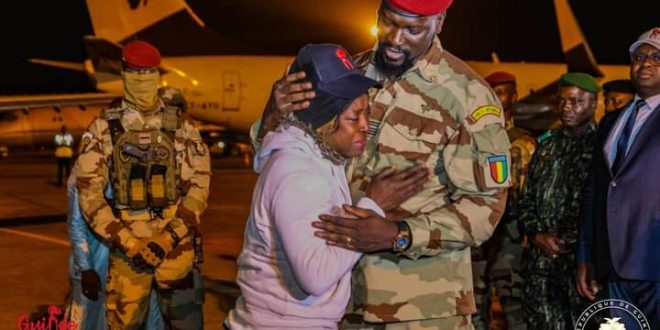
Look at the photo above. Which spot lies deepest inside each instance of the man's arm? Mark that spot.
(469, 219)
(527, 202)
(530, 223)
(477, 195)
(195, 180)
(586, 284)
(290, 93)
(586, 229)
(92, 177)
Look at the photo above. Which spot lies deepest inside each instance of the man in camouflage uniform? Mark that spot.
(433, 110)
(550, 206)
(159, 170)
(497, 262)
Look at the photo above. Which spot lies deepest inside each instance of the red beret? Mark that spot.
(499, 78)
(140, 54)
(420, 7)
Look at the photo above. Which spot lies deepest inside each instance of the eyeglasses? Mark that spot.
(639, 58)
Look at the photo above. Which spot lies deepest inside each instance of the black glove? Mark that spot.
(91, 284)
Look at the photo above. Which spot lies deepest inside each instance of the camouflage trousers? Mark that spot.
(550, 295)
(498, 263)
(178, 284)
(459, 322)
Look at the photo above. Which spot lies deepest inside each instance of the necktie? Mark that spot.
(624, 138)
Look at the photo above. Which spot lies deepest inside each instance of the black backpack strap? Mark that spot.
(113, 117)
(116, 129)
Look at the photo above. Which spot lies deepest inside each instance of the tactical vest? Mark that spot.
(144, 170)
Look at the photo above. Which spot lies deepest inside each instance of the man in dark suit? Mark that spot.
(619, 246)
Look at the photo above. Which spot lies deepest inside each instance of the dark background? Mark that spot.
(517, 30)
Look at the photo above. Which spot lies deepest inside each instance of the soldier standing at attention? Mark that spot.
(436, 111)
(550, 208)
(498, 261)
(159, 171)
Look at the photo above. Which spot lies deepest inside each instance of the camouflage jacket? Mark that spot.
(522, 149)
(442, 114)
(93, 173)
(551, 197)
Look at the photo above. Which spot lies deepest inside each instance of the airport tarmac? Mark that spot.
(34, 247)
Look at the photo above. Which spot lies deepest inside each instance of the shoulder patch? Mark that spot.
(498, 168)
(484, 111)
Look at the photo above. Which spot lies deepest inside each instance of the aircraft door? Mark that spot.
(231, 92)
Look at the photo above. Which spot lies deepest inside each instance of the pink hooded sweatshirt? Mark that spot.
(288, 277)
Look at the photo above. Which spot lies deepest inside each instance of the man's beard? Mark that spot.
(387, 69)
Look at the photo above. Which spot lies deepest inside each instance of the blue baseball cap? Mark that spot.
(335, 80)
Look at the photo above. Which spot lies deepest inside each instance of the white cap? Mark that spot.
(651, 37)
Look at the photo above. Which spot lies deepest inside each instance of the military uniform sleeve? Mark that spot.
(195, 179)
(527, 146)
(255, 141)
(91, 178)
(528, 218)
(474, 163)
(586, 228)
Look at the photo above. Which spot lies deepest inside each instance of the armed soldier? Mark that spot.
(159, 170)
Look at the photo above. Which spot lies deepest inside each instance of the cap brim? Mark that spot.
(636, 45)
(350, 86)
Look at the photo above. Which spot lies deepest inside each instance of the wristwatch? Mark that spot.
(403, 238)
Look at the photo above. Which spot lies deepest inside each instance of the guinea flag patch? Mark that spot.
(498, 168)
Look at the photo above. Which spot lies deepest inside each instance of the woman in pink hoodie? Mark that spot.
(288, 277)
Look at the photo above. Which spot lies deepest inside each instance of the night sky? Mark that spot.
(516, 30)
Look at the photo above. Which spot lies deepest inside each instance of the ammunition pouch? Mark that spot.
(145, 171)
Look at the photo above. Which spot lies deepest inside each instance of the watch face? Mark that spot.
(402, 242)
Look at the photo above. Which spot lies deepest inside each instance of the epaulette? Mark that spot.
(545, 136)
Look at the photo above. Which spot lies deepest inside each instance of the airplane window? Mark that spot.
(8, 116)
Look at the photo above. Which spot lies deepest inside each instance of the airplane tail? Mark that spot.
(118, 20)
(577, 52)
(104, 63)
